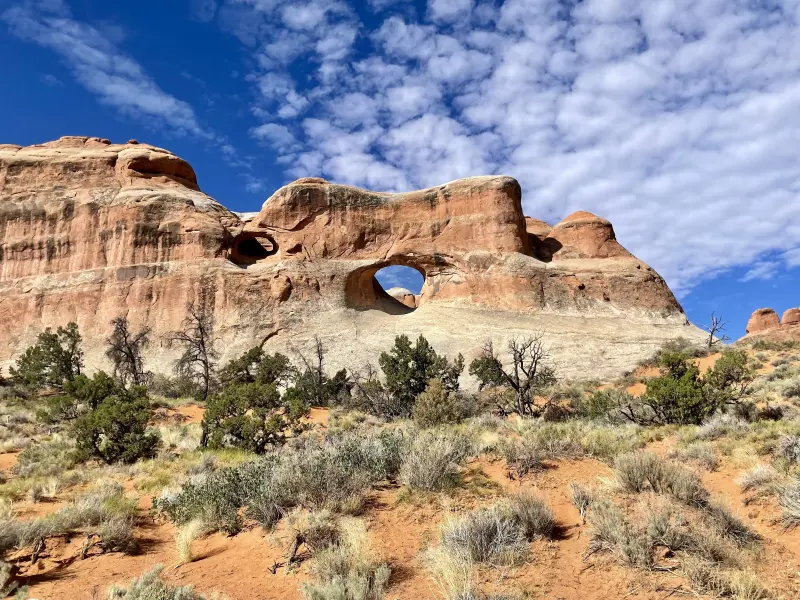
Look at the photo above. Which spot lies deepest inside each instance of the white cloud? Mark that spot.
(675, 119)
(762, 270)
(449, 10)
(115, 78)
(276, 135)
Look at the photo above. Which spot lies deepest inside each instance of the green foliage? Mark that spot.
(116, 430)
(252, 416)
(55, 358)
(681, 395)
(437, 406)
(332, 473)
(79, 395)
(408, 369)
(257, 366)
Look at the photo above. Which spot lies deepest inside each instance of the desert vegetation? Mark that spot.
(311, 467)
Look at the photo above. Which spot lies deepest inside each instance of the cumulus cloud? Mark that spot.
(99, 65)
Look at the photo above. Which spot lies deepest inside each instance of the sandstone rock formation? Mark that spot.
(91, 230)
(762, 319)
(765, 324)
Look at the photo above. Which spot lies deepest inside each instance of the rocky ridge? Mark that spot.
(91, 230)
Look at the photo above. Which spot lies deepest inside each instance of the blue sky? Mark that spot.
(675, 119)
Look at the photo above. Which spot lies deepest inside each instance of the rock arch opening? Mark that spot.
(394, 288)
(249, 248)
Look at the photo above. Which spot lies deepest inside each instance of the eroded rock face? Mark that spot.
(91, 230)
(763, 319)
(791, 317)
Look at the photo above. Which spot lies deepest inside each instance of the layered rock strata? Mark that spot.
(91, 230)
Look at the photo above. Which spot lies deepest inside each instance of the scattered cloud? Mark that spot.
(674, 119)
(114, 77)
(51, 79)
(763, 270)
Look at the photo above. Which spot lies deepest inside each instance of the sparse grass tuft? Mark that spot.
(759, 478)
(581, 498)
(639, 471)
(434, 460)
(789, 501)
(184, 538)
(486, 535)
(348, 569)
(150, 586)
(610, 531)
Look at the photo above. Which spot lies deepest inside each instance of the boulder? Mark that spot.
(91, 230)
(791, 317)
(762, 320)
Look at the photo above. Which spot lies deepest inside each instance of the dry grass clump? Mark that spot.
(347, 570)
(707, 577)
(317, 530)
(729, 525)
(789, 501)
(788, 448)
(103, 512)
(612, 532)
(486, 535)
(581, 498)
(434, 460)
(639, 471)
(759, 478)
(722, 425)
(499, 534)
(452, 572)
(184, 538)
(702, 453)
(150, 586)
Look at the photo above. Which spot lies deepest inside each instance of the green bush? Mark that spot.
(680, 395)
(80, 395)
(408, 369)
(437, 406)
(55, 358)
(116, 430)
(252, 416)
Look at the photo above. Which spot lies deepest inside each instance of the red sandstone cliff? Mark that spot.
(91, 230)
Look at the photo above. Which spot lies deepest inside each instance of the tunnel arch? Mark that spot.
(364, 292)
(248, 248)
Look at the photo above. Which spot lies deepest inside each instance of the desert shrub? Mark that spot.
(610, 531)
(681, 395)
(522, 456)
(434, 459)
(407, 370)
(318, 530)
(150, 586)
(47, 458)
(667, 526)
(253, 416)
(532, 514)
(789, 501)
(55, 358)
(745, 585)
(487, 535)
(104, 507)
(608, 405)
(703, 453)
(722, 424)
(789, 448)
(705, 576)
(640, 471)
(347, 570)
(438, 406)
(792, 391)
(332, 473)
(173, 387)
(116, 430)
(758, 478)
(581, 498)
(729, 525)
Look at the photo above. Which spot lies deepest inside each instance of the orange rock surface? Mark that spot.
(91, 230)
